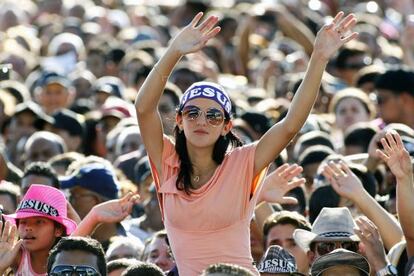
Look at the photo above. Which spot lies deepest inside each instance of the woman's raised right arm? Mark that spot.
(190, 39)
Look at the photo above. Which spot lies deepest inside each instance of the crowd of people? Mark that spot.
(206, 138)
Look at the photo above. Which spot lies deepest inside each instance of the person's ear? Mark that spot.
(311, 256)
(59, 231)
(179, 121)
(227, 127)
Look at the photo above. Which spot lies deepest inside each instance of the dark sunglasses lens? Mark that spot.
(214, 116)
(351, 246)
(325, 247)
(71, 270)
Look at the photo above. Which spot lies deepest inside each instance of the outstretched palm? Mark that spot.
(192, 37)
(115, 210)
(395, 155)
(9, 248)
(332, 36)
(280, 182)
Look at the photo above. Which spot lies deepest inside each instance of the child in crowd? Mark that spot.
(40, 221)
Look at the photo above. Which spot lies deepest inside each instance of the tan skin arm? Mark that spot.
(190, 39)
(398, 160)
(347, 185)
(295, 29)
(327, 42)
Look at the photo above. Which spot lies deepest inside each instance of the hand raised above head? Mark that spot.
(343, 180)
(395, 155)
(332, 36)
(194, 36)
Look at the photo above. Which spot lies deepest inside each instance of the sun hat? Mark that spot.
(207, 90)
(276, 260)
(95, 177)
(337, 257)
(332, 224)
(44, 201)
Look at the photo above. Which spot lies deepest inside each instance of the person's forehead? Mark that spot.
(55, 86)
(282, 230)
(203, 103)
(36, 179)
(43, 142)
(79, 190)
(157, 244)
(76, 257)
(349, 101)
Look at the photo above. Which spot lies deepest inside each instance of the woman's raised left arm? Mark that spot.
(328, 40)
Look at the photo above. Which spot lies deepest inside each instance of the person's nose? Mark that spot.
(27, 227)
(202, 119)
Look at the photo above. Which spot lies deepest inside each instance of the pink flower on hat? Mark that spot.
(44, 201)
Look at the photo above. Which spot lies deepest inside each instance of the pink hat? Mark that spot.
(44, 201)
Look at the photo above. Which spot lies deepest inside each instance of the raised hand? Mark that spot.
(332, 36)
(9, 247)
(372, 246)
(194, 36)
(279, 182)
(343, 180)
(114, 210)
(395, 155)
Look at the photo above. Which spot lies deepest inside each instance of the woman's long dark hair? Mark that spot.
(186, 168)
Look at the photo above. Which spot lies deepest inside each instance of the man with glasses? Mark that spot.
(332, 229)
(77, 256)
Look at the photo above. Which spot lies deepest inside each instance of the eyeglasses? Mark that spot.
(78, 270)
(213, 115)
(324, 248)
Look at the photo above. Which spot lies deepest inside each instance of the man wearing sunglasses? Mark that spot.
(77, 256)
(332, 229)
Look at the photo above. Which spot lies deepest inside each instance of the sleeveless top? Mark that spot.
(210, 225)
(25, 266)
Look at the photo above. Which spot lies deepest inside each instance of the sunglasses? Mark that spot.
(69, 270)
(213, 115)
(324, 248)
